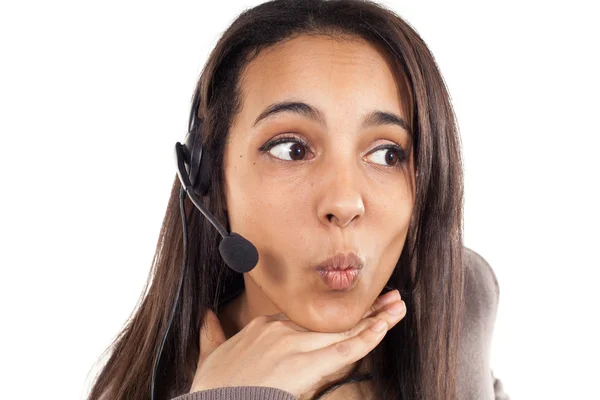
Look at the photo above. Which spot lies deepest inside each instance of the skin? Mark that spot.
(280, 200)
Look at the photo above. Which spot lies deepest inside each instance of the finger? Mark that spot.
(381, 301)
(391, 314)
(211, 335)
(341, 354)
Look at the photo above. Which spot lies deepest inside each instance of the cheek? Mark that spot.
(391, 207)
(270, 211)
(391, 219)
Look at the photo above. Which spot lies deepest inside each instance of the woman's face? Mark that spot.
(326, 189)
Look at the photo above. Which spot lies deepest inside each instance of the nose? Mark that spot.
(341, 201)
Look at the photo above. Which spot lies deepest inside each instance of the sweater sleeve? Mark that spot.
(238, 393)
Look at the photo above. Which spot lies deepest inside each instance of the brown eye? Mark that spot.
(288, 149)
(389, 155)
(297, 151)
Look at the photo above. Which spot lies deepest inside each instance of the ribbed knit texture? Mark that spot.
(239, 393)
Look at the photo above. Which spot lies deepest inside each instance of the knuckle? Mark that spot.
(348, 333)
(373, 309)
(277, 325)
(343, 348)
(274, 328)
(376, 304)
(364, 337)
(262, 319)
(370, 322)
(255, 322)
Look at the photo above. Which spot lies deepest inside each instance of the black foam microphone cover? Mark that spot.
(238, 253)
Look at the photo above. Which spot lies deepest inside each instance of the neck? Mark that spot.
(251, 303)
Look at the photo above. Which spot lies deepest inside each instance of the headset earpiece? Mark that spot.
(198, 162)
(204, 173)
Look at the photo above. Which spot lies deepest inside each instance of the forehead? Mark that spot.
(348, 74)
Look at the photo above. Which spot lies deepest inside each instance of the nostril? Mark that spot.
(329, 217)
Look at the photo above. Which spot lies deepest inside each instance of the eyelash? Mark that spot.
(288, 138)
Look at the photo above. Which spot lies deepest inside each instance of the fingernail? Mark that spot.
(397, 308)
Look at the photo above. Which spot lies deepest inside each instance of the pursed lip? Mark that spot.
(341, 261)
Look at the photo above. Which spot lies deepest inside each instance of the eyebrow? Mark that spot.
(374, 118)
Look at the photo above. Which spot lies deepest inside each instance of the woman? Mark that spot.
(334, 145)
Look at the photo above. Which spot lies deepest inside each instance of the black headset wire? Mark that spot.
(182, 193)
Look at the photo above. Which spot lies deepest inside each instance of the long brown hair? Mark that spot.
(417, 359)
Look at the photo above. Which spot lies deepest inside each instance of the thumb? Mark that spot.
(211, 335)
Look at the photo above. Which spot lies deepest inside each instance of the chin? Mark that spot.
(329, 325)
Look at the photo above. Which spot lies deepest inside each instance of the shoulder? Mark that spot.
(482, 291)
(481, 297)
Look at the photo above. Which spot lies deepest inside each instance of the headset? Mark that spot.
(193, 170)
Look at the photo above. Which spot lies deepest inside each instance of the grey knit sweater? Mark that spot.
(475, 378)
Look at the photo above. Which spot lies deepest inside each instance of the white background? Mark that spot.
(93, 96)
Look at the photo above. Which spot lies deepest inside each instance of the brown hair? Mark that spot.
(417, 359)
